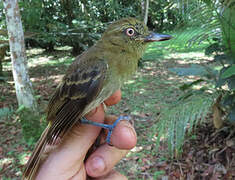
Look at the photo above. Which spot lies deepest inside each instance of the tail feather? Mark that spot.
(32, 165)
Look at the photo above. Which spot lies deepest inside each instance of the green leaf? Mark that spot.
(229, 72)
(20, 108)
(228, 100)
(231, 82)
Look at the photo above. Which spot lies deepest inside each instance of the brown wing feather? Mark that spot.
(34, 161)
(77, 90)
(66, 106)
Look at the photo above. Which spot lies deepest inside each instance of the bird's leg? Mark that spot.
(109, 127)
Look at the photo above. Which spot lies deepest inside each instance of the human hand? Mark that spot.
(66, 161)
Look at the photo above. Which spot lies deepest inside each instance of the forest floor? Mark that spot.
(206, 153)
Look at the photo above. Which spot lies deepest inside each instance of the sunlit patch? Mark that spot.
(64, 48)
(35, 51)
(188, 58)
(5, 162)
(137, 149)
(55, 78)
(130, 82)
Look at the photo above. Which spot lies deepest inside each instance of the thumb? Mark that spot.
(82, 136)
(72, 150)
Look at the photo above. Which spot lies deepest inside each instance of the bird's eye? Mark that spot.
(130, 31)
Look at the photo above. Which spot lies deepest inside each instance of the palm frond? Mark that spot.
(179, 119)
(203, 22)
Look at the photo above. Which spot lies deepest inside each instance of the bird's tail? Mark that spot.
(34, 161)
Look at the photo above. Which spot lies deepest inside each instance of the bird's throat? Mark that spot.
(122, 59)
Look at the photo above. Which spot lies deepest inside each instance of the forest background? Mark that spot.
(182, 99)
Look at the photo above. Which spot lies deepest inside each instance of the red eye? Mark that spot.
(130, 31)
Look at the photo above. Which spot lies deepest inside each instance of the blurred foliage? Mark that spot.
(32, 124)
(214, 91)
(226, 80)
(2, 18)
(5, 112)
(3, 48)
(71, 22)
(80, 23)
(217, 87)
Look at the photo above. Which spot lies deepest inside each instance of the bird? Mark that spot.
(93, 76)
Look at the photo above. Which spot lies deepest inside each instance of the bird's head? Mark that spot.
(131, 35)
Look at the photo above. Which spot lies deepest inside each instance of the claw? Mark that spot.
(106, 126)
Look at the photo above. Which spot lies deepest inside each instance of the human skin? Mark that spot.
(66, 161)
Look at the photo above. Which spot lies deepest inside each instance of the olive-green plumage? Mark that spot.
(91, 78)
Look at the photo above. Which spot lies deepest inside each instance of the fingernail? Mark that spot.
(97, 165)
(129, 130)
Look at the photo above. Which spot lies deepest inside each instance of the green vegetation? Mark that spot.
(32, 124)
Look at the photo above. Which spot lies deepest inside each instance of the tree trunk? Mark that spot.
(146, 10)
(23, 86)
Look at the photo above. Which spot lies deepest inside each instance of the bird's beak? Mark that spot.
(152, 37)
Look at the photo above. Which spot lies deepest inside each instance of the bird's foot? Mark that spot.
(109, 127)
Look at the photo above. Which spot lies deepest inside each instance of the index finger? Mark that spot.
(114, 98)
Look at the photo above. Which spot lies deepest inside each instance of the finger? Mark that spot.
(105, 157)
(124, 135)
(84, 134)
(114, 98)
(89, 132)
(113, 175)
(73, 149)
(103, 160)
(81, 174)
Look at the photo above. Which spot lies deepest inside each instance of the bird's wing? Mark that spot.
(76, 91)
